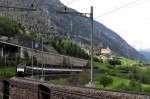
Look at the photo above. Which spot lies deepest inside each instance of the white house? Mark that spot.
(106, 50)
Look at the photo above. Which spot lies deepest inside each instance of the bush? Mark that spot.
(140, 75)
(134, 86)
(114, 62)
(123, 69)
(105, 80)
(121, 86)
(147, 89)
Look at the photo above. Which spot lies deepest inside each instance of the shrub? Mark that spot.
(114, 62)
(106, 80)
(121, 86)
(134, 86)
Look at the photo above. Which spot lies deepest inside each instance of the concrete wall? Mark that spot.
(29, 89)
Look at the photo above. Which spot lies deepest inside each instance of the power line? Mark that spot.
(71, 2)
(19, 8)
(112, 11)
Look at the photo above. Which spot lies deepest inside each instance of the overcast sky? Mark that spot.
(131, 21)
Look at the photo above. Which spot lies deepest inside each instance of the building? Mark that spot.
(106, 54)
(106, 50)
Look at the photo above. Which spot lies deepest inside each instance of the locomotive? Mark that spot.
(20, 70)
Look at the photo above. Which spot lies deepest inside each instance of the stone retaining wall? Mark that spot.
(29, 89)
(20, 90)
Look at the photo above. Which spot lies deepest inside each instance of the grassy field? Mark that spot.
(7, 71)
(117, 81)
(128, 62)
(101, 65)
(119, 73)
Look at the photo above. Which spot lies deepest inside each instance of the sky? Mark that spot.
(129, 18)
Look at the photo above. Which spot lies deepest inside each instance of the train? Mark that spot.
(21, 69)
(57, 59)
(53, 63)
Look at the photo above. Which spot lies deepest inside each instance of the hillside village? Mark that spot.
(103, 54)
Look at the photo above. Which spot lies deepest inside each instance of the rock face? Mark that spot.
(49, 21)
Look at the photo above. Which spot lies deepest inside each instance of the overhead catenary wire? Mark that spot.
(71, 2)
(119, 8)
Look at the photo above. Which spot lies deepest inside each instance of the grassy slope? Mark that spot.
(118, 80)
(101, 65)
(127, 62)
(7, 71)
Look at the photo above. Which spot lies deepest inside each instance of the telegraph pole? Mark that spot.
(86, 15)
(92, 24)
(42, 78)
(32, 60)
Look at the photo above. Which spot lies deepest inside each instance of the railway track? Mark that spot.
(74, 95)
(120, 91)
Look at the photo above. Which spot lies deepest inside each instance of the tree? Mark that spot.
(67, 47)
(114, 62)
(8, 27)
(106, 80)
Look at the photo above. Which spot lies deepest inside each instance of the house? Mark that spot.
(106, 54)
(106, 51)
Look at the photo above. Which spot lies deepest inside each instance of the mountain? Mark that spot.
(146, 54)
(49, 21)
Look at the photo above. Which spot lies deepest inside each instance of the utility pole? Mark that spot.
(2, 51)
(70, 29)
(42, 78)
(86, 15)
(92, 24)
(32, 60)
